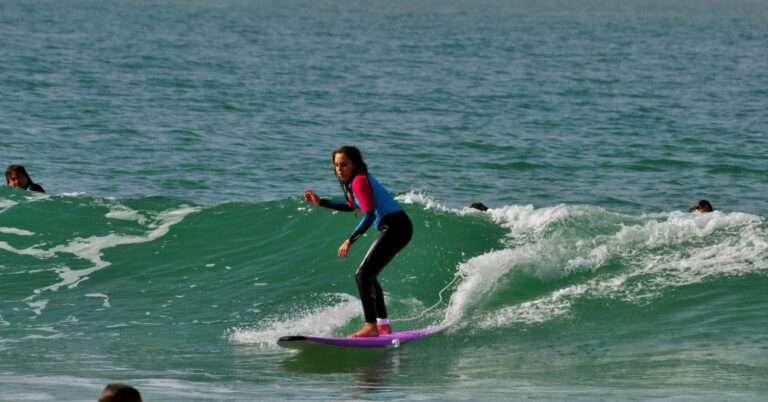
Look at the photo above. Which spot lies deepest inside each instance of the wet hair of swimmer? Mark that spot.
(479, 206)
(120, 393)
(19, 170)
(702, 206)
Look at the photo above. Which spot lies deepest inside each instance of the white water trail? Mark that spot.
(659, 251)
(322, 321)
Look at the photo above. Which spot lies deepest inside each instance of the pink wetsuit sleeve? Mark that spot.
(362, 189)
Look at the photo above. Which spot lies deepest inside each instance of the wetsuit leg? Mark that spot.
(395, 233)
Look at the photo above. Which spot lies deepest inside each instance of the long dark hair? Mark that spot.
(19, 170)
(356, 157)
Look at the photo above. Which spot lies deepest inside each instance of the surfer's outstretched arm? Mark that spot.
(338, 205)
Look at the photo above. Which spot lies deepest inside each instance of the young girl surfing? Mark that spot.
(363, 191)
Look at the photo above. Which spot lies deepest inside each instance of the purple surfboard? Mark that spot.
(392, 340)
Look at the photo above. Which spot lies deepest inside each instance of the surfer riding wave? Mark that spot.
(362, 191)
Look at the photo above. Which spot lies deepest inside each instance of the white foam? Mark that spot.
(30, 251)
(477, 278)
(6, 204)
(528, 247)
(682, 250)
(416, 197)
(102, 296)
(681, 227)
(527, 219)
(122, 212)
(34, 196)
(481, 275)
(649, 246)
(735, 255)
(14, 231)
(37, 306)
(322, 321)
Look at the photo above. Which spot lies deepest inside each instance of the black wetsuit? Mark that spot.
(34, 187)
(395, 231)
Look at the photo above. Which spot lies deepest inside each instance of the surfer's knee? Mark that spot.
(361, 278)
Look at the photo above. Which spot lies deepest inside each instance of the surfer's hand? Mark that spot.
(311, 197)
(344, 248)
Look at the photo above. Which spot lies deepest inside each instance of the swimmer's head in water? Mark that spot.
(702, 206)
(16, 176)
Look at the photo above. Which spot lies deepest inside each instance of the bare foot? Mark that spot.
(367, 331)
(384, 329)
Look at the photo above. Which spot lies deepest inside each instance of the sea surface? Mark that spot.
(172, 247)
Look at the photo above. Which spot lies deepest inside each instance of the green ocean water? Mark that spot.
(172, 248)
(563, 302)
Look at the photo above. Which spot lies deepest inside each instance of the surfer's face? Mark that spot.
(343, 166)
(17, 180)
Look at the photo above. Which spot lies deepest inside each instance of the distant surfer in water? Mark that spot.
(479, 206)
(702, 206)
(17, 176)
(363, 191)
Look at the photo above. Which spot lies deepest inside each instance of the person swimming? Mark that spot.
(702, 206)
(363, 191)
(478, 206)
(119, 393)
(16, 176)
